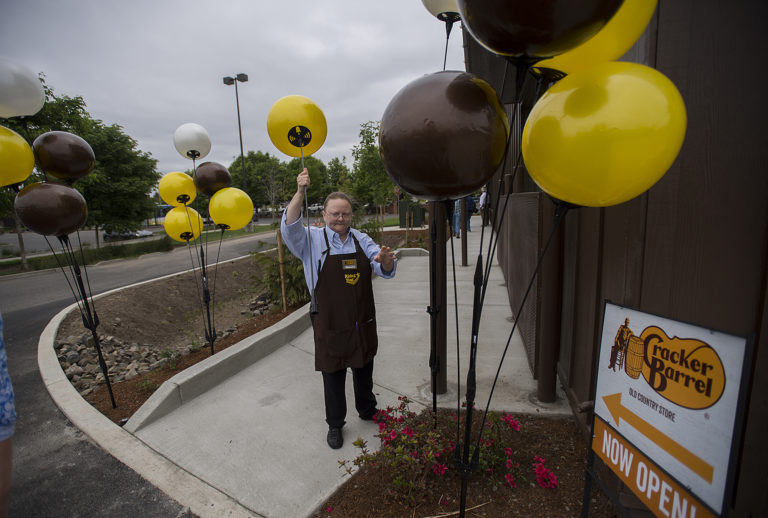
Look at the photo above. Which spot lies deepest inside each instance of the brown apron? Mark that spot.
(345, 323)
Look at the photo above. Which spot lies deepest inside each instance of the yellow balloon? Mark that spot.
(605, 134)
(177, 189)
(16, 158)
(612, 42)
(230, 208)
(295, 122)
(183, 224)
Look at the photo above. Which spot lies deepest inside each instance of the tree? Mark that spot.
(117, 191)
(370, 183)
(264, 178)
(318, 178)
(339, 177)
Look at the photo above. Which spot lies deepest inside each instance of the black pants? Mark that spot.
(336, 398)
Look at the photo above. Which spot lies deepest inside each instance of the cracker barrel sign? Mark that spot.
(667, 410)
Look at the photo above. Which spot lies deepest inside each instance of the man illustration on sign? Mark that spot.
(619, 348)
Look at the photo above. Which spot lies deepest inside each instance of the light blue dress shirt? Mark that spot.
(295, 238)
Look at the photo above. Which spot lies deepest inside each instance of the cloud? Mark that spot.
(151, 66)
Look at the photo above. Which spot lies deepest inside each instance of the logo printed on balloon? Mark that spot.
(299, 136)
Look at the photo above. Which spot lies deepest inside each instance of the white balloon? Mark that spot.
(192, 141)
(21, 92)
(438, 7)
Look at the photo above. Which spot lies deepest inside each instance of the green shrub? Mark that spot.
(296, 292)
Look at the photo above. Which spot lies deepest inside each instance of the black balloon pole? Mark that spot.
(300, 136)
(87, 309)
(209, 328)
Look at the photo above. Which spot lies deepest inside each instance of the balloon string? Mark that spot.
(458, 353)
(313, 299)
(561, 209)
(66, 277)
(198, 288)
(215, 275)
(90, 321)
(87, 278)
(482, 277)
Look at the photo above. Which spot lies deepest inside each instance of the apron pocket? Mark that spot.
(341, 344)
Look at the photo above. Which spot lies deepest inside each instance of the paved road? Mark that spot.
(58, 471)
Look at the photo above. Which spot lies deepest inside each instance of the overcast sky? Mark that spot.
(152, 65)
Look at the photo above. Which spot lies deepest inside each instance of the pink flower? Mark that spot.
(544, 477)
(510, 480)
(408, 431)
(439, 469)
(511, 422)
(329, 509)
(508, 452)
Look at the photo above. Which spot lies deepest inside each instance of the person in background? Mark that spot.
(483, 203)
(342, 262)
(470, 209)
(7, 423)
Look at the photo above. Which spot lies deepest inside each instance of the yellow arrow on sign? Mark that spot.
(696, 464)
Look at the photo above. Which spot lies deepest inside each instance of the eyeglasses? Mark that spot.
(337, 215)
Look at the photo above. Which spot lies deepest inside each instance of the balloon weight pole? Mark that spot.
(433, 309)
(313, 299)
(210, 332)
(88, 313)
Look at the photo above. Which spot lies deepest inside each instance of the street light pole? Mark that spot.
(233, 81)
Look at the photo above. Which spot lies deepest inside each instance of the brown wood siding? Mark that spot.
(695, 247)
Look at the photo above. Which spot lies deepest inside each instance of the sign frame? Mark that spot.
(621, 418)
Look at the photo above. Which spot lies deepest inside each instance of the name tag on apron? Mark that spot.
(349, 264)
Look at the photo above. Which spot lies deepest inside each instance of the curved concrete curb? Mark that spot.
(202, 499)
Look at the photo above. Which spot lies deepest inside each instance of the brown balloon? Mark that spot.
(63, 155)
(535, 30)
(211, 177)
(443, 135)
(51, 209)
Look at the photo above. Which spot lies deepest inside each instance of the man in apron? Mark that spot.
(341, 261)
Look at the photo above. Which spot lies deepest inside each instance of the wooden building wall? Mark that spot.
(694, 248)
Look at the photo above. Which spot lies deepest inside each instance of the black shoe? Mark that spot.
(335, 439)
(371, 416)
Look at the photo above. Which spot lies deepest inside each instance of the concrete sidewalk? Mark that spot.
(243, 433)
